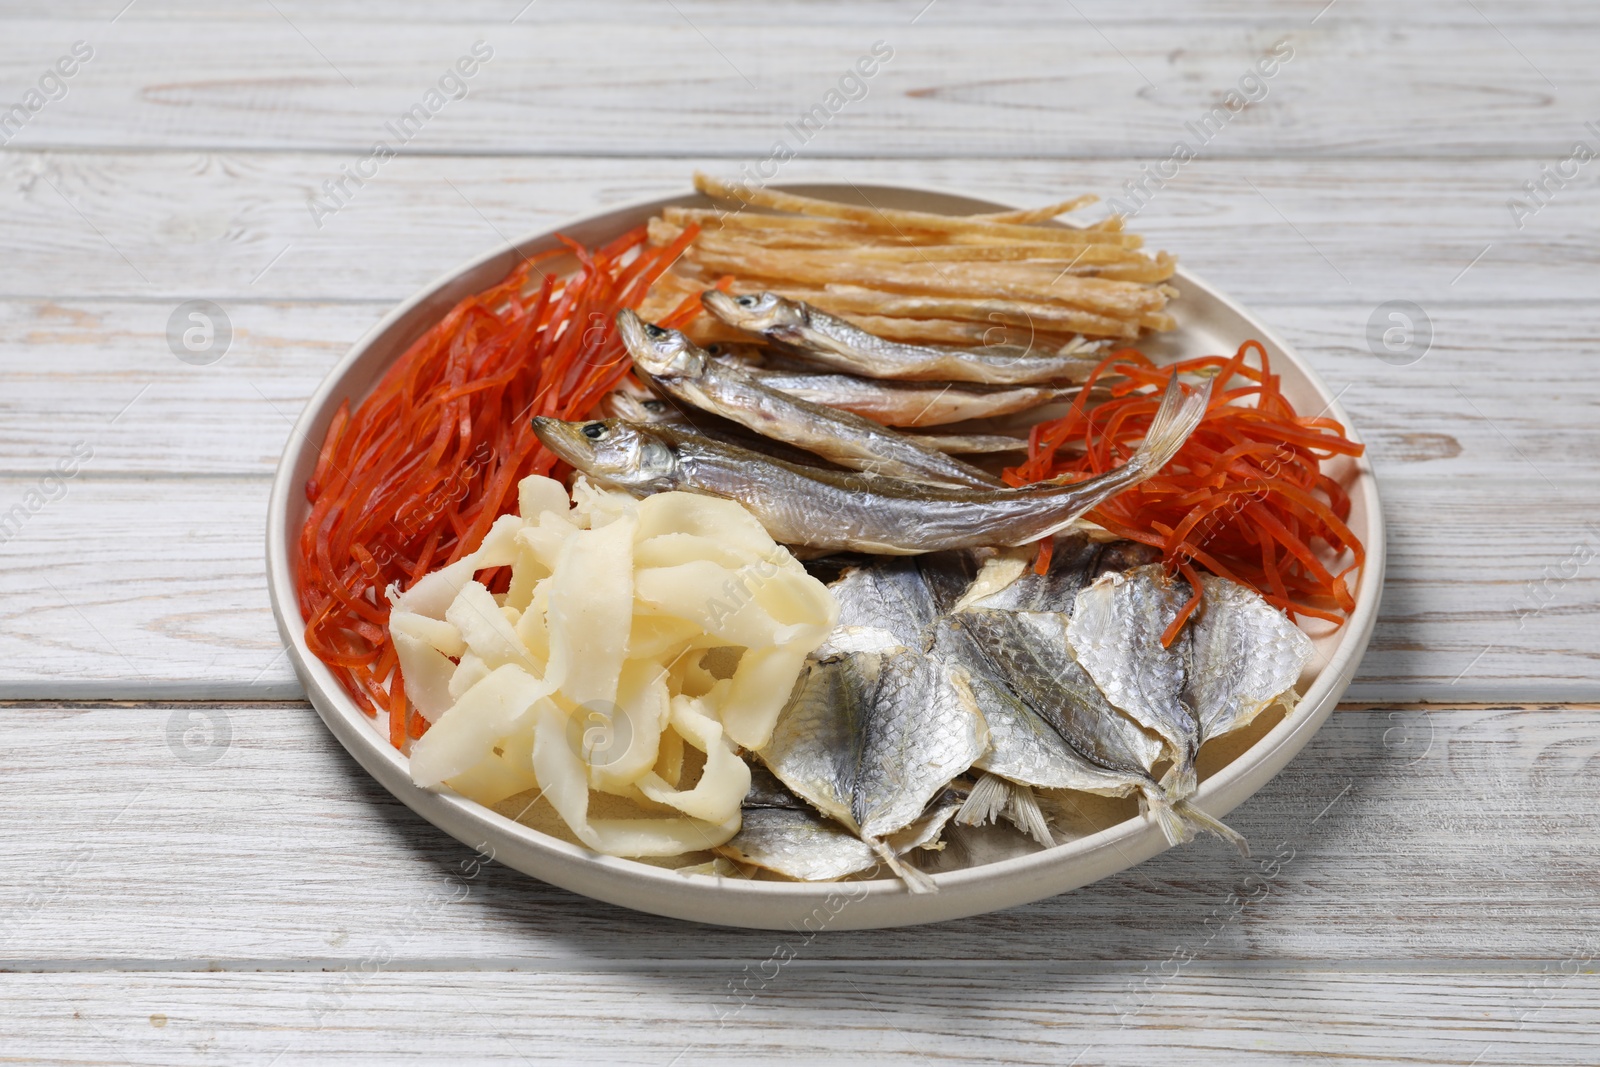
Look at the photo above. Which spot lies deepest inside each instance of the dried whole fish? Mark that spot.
(840, 344)
(675, 365)
(967, 444)
(830, 511)
(903, 403)
(648, 409)
(869, 739)
(652, 409)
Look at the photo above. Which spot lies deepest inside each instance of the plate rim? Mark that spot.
(580, 870)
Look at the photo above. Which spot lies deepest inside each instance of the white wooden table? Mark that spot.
(192, 871)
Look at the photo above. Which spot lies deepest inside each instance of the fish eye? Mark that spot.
(749, 300)
(654, 332)
(714, 349)
(655, 407)
(594, 431)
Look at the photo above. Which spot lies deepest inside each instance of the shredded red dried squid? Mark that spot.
(412, 478)
(1245, 497)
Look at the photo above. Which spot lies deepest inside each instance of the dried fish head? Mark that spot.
(659, 351)
(766, 313)
(641, 409)
(612, 452)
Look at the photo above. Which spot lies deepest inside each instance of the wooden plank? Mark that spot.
(102, 373)
(170, 227)
(652, 1017)
(242, 837)
(171, 571)
(155, 588)
(843, 13)
(719, 79)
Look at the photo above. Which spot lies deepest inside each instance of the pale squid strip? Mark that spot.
(500, 775)
(484, 628)
(469, 672)
(621, 744)
(464, 735)
(725, 780)
(590, 611)
(759, 689)
(564, 779)
(629, 629)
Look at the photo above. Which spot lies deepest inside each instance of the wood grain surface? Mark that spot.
(193, 871)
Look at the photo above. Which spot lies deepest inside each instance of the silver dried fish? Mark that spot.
(845, 511)
(840, 344)
(676, 366)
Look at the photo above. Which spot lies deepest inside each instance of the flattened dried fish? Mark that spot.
(890, 597)
(870, 738)
(949, 575)
(783, 833)
(798, 843)
(1245, 655)
(840, 344)
(1115, 633)
(1072, 563)
(1049, 726)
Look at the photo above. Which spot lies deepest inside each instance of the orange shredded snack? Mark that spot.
(1245, 497)
(412, 478)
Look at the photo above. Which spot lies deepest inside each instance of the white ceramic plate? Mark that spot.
(1207, 323)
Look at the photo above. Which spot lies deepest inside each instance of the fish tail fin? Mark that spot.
(1175, 420)
(1022, 811)
(1200, 820)
(1173, 826)
(993, 797)
(986, 801)
(1180, 780)
(916, 881)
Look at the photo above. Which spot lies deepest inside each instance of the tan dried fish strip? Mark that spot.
(985, 281)
(877, 218)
